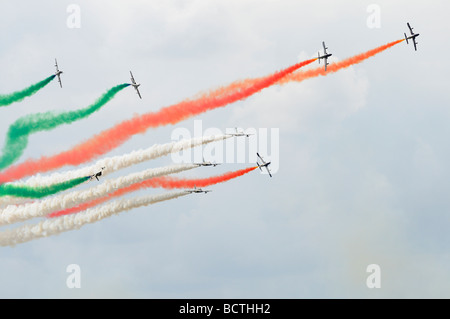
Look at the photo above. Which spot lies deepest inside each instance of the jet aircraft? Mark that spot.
(263, 164)
(325, 55)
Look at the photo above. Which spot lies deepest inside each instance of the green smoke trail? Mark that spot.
(20, 95)
(17, 137)
(39, 192)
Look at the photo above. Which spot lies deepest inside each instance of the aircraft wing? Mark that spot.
(326, 64)
(324, 48)
(410, 29)
(132, 78)
(137, 90)
(268, 171)
(59, 80)
(415, 44)
(260, 158)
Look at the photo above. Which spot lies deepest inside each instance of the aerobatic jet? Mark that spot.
(325, 55)
(58, 73)
(263, 164)
(413, 36)
(240, 133)
(197, 190)
(206, 163)
(135, 85)
(97, 175)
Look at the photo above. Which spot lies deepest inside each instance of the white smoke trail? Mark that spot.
(113, 164)
(116, 163)
(61, 224)
(17, 213)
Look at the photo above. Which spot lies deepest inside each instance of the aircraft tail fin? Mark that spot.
(318, 56)
(406, 38)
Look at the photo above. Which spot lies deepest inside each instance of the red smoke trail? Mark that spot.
(109, 139)
(334, 67)
(164, 182)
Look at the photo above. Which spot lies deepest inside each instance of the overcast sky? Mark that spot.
(362, 154)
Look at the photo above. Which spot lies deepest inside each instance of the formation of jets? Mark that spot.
(263, 163)
(326, 55)
(194, 190)
(413, 37)
(133, 81)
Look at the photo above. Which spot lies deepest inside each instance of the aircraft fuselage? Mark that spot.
(264, 165)
(326, 56)
(413, 36)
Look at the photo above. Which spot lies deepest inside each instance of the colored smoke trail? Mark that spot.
(20, 95)
(119, 134)
(164, 182)
(336, 66)
(13, 214)
(11, 237)
(115, 163)
(20, 130)
(174, 182)
(118, 162)
(39, 192)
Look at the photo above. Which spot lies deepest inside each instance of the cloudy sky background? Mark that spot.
(363, 153)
